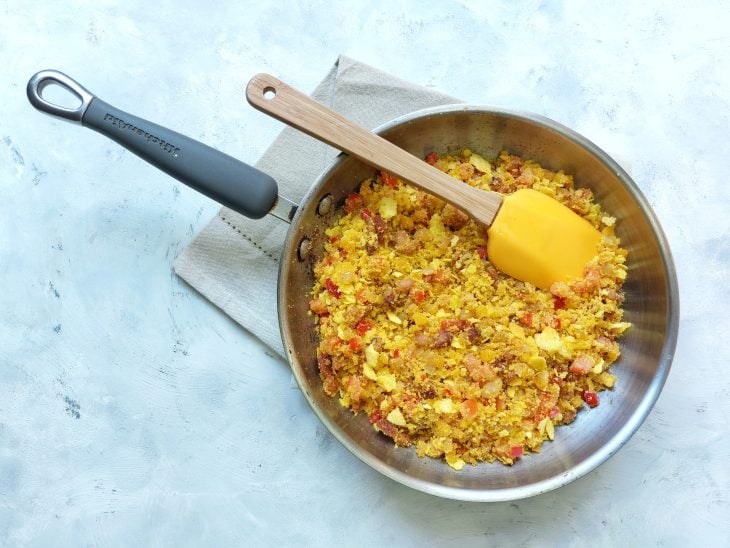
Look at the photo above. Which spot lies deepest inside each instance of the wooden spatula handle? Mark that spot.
(298, 110)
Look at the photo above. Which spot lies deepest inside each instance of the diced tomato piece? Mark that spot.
(332, 343)
(581, 365)
(388, 179)
(419, 295)
(558, 303)
(482, 251)
(526, 319)
(591, 398)
(396, 353)
(432, 158)
(355, 344)
(363, 327)
(381, 227)
(318, 307)
(387, 428)
(334, 239)
(353, 201)
(375, 417)
(360, 296)
(434, 276)
(332, 288)
(516, 451)
(469, 408)
(458, 324)
(545, 407)
(366, 214)
(329, 381)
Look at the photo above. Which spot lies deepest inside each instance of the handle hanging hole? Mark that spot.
(59, 95)
(269, 93)
(58, 89)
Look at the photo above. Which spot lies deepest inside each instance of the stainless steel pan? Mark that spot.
(651, 303)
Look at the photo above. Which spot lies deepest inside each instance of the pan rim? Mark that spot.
(623, 434)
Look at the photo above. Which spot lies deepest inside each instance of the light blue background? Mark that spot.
(133, 412)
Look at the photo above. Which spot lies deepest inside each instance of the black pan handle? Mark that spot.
(224, 179)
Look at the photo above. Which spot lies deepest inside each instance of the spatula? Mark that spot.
(531, 236)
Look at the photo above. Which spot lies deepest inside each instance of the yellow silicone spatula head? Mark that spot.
(532, 237)
(537, 239)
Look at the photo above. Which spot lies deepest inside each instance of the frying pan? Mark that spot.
(651, 295)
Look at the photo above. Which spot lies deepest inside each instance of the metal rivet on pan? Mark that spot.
(325, 205)
(305, 246)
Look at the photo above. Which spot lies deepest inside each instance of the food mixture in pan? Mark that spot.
(440, 350)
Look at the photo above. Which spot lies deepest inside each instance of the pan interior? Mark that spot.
(651, 305)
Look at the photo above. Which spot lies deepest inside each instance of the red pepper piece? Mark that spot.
(363, 327)
(388, 179)
(591, 398)
(355, 344)
(432, 158)
(353, 201)
(332, 288)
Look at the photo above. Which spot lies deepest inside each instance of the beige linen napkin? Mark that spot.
(234, 261)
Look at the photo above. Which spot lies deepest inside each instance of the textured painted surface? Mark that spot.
(133, 412)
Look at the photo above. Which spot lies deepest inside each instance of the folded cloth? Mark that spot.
(234, 261)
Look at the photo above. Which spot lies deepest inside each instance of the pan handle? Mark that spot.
(224, 179)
